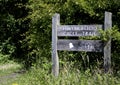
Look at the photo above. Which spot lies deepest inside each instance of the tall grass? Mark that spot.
(68, 77)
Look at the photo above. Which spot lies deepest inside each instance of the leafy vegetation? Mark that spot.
(25, 37)
(9, 72)
(74, 77)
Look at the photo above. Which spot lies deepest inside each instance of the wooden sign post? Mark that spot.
(55, 59)
(107, 45)
(79, 45)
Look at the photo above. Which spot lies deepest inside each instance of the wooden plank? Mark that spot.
(78, 30)
(107, 47)
(55, 60)
(80, 45)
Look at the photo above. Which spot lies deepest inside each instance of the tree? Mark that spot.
(25, 26)
(71, 12)
(13, 27)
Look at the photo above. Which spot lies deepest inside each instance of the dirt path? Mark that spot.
(12, 76)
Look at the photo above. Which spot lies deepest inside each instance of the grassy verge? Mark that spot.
(8, 72)
(8, 76)
(42, 77)
(8, 68)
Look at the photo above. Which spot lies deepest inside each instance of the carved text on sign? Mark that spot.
(78, 30)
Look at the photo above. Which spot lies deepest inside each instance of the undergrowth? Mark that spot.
(66, 77)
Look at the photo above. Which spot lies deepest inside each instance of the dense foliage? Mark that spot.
(25, 30)
(13, 26)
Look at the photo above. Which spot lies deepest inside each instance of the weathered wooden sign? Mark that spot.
(79, 45)
(78, 30)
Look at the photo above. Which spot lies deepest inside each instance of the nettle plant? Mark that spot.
(112, 33)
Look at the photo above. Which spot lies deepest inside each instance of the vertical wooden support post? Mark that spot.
(107, 47)
(55, 59)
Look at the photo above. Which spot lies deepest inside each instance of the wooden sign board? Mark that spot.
(78, 30)
(80, 45)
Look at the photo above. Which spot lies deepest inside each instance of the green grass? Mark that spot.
(8, 68)
(42, 77)
(7, 72)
